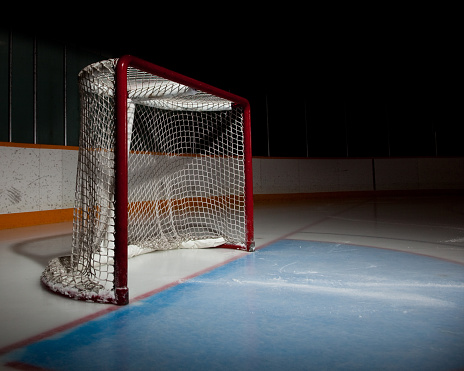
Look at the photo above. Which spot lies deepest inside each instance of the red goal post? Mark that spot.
(70, 276)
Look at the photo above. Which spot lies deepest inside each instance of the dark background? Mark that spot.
(320, 83)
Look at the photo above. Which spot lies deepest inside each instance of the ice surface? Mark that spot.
(294, 305)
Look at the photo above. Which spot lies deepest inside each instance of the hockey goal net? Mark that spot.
(164, 163)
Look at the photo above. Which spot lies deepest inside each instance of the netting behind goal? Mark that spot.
(188, 169)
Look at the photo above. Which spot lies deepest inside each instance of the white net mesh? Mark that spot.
(186, 174)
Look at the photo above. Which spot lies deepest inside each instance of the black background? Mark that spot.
(335, 82)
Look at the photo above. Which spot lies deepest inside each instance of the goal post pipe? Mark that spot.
(121, 160)
(121, 291)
